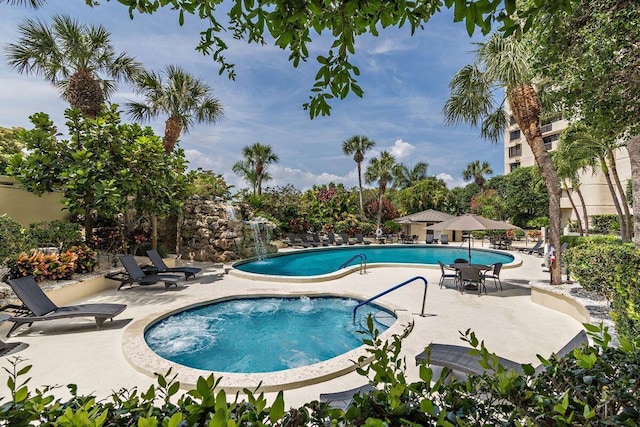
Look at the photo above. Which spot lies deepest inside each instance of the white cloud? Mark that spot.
(451, 181)
(401, 149)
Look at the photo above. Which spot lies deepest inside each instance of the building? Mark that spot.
(597, 197)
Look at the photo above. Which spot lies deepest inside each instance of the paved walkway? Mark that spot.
(72, 351)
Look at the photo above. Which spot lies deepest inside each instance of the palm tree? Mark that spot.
(182, 97)
(357, 146)
(404, 177)
(476, 171)
(34, 4)
(581, 145)
(502, 65)
(381, 170)
(78, 59)
(254, 167)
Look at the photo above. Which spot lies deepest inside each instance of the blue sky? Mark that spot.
(405, 80)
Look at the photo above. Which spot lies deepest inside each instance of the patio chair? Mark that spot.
(444, 239)
(332, 239)
(494, 274)
(461, 360)
(134, 274)
(342, 399)
(429, 240)
(37, 307)
(453, 275)
(360, 240)
(469, 277)
(159, 263)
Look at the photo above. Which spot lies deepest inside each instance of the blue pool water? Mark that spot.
(262, 334)
(324, 261)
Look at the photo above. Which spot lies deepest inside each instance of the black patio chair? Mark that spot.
(134, 274)
(159, 263)
(494, 274)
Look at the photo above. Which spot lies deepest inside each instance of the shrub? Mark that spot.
(56, 233)
(596, 385)
(538, 222)
(43, 266)
(87, 258)
(606, 223)
(13, 237)
(534, 234)
(612, 270)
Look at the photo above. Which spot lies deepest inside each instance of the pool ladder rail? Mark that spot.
(406, 282)
(363, 262)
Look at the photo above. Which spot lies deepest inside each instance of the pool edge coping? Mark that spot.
(231, 270)
(144, 360)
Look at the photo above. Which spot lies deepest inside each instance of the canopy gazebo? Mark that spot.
(415, 223)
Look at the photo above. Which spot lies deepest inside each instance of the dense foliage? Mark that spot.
(58, 234)
(9, 145)
(291, 26)
(14, 238)
(595, 385)
(106, 167)
(612, 269)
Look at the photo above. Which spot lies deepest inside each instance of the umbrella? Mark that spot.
(470, 222)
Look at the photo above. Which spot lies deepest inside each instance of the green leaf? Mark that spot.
(510, 6)
(460, 10)
(277, 409)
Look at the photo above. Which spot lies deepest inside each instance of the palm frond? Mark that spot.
(494, 125)
(471, 96)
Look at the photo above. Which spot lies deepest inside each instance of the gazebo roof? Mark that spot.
(430, 215)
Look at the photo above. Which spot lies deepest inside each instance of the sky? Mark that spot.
(405, 81)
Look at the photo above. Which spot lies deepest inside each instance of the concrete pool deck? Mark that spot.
(72, 351)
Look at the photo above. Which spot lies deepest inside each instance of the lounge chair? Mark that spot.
(135, 275)
(533, 249)
(444, 239)
(343, 399)
(294, 240)
(429, 240)
(460, 360)
(158, 262)
(345, 239)
(306, 242)
(316, 239)
(36, 306)
(360, 240)
(332, 239)
(494, 274)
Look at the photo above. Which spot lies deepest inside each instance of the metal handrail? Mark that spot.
(406, 282)
(363, 262)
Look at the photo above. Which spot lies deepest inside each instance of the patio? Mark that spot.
(72, 351)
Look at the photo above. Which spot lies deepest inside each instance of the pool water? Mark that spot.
(325, 261)
(262, 334)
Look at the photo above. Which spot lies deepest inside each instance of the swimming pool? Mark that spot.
(251, 335)
(316, 262)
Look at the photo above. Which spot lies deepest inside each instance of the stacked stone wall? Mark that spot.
(209, 232)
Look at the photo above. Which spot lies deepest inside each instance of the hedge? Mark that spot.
(595, 385)
(612, 269)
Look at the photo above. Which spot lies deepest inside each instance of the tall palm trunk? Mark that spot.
(172, 130)
(360, 189)
(623, 200)
(526, 110)
(383, 187)
(85, 93)
(633, 147)
(259, 172)
(574, 207)
(584, 212)
(614, 196)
